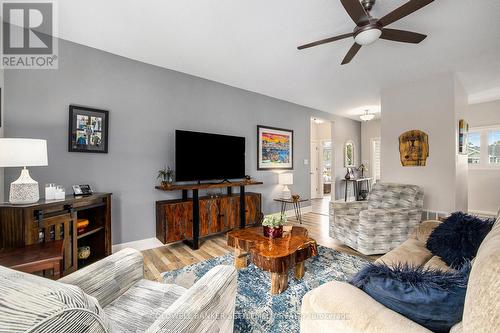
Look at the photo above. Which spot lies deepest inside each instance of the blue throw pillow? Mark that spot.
(431, 298)
(457, 239)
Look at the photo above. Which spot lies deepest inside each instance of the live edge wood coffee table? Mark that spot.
(273, 255)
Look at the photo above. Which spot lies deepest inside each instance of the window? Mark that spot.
(494, 147)
(484, 147)
(474, 148)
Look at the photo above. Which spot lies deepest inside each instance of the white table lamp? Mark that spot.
(285, 179)
(23, 153)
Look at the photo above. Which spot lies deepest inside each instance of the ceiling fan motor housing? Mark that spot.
(368, 4)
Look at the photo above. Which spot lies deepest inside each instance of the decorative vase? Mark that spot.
(83, 252)
(273, 232)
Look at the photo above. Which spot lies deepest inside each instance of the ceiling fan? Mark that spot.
(369, 29)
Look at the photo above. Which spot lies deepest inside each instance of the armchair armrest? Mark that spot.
(110, 277)
(348, 208)
(208, 306)
(341, 307)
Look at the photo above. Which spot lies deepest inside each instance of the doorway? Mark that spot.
(321, 165)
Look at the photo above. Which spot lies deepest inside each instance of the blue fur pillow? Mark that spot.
(431, 298)
(457, 239)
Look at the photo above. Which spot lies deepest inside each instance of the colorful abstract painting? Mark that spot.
(275, 148)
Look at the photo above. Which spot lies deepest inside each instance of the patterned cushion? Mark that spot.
(141, 305)
(30, 302)
(387, 195)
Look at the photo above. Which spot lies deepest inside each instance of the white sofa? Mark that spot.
(343, 308)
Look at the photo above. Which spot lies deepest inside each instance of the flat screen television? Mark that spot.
(206, 156)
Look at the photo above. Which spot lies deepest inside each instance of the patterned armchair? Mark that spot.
(380, 224)
(112, 296)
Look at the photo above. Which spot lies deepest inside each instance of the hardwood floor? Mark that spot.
(175, 256)
(321, 206)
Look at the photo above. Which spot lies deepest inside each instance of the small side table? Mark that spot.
(357, 184)
(35, 258)
(296, 206)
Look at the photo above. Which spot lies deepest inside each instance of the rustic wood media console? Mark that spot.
(53, 220)
(188, 219)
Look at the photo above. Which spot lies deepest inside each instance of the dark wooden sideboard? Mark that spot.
(189, 219)
(45, 221)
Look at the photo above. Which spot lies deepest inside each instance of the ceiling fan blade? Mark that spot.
(324, 41)
(352, 52)
(355, 10)
(400, 12)
(402, 36)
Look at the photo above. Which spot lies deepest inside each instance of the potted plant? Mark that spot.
(166, 175)
(273, 225)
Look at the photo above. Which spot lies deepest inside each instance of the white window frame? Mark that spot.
(483, 155)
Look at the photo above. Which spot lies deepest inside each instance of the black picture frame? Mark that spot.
(260, 165)
(88, 130)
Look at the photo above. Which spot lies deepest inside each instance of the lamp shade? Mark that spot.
(23, 152)
(285, 179)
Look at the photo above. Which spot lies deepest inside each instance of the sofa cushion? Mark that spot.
(482, 303)
(457, 239)
(411, 252)
(28, 301)
(424, 230)
(431, 298)
(437, 263)
(141, 305)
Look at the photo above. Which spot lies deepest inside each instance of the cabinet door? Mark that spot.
(253, 209)
(178, 221)
(209, 216)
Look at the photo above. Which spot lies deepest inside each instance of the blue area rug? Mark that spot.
(259, 311)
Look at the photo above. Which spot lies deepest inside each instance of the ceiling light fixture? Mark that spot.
(367, 116)
(367, 36)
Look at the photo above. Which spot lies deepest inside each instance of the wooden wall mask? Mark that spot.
(414, 148)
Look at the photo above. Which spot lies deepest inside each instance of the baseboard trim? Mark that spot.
(139, 245)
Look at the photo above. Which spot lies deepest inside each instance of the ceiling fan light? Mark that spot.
(368, 36)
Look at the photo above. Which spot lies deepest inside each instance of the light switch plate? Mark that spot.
(306, 161)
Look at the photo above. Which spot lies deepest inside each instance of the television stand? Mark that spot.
(208, 215)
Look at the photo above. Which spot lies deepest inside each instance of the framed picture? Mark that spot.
(463, 137)
(88, 130)
(349, 154)
(274, 148)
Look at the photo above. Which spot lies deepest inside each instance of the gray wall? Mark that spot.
(146, 104)
(1, 131)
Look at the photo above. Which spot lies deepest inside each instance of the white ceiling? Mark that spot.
(251, 44)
